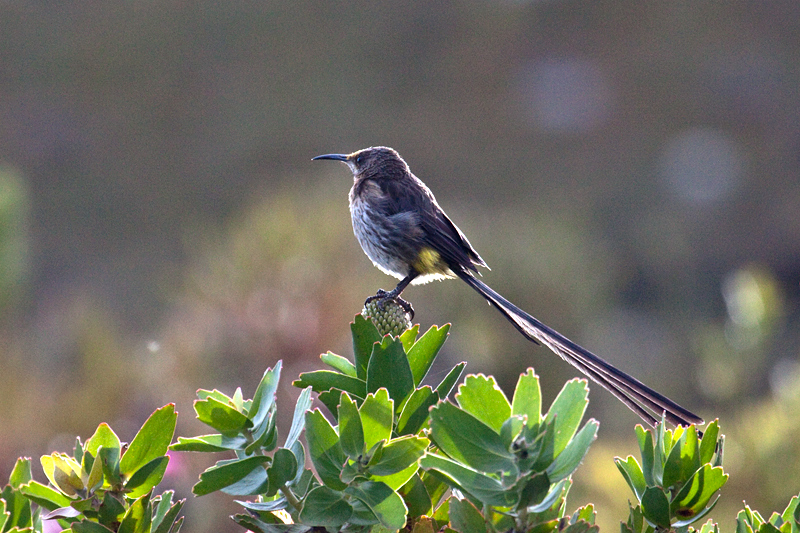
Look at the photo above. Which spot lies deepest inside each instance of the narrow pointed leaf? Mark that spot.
(415, 411)
(342, 364)
(450, 380)
(324, 380)
(209, 443)
(423, 352)
(572, 456)
(152, 440)
(299, 419)
(264, 398)
(226, 473)
(365, 335)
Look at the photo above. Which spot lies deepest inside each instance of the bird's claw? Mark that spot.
(383, 296)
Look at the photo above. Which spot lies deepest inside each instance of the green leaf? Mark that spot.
(221, 416)
(416, 496)
(698, 490)
(324, 507)
(151, 442)
(683, 460)
(342, 364)
(283, 469)
(397, 455)
(365, 335)
(384, 503)
(388, 369)
(708, 445)
(464, 517)
(647, 448)
(377, 415)
(486, 489)
(138, 517)
(632, 472)
(465, 438)
(351, 433)
(209, 443)
(265, 436)
(44, 496)
(264, 398)
(103, 436)
(415, 411)
(87, 526)
(63, 472)
(572, 456)
(21, 473)
(792, 511)
(111, 511)
(655, 507)
(424, 351)
(450, 380)
(482, 398)
(325, 450)
(271, 505)
(16, 512)
(170, 523)
(699, 516)
(227, 473)
(511, 429)
(528, 398)
(567, 411)
(109, 462)
(147, 477)
(299, 419)
(409, 337)
(324, 380)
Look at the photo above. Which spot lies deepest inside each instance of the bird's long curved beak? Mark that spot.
(335, 157)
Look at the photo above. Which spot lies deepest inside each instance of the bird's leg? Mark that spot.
(382, 296)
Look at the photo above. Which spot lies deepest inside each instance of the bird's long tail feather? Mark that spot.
(640, 398)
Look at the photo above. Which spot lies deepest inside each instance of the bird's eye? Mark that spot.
(359, 159)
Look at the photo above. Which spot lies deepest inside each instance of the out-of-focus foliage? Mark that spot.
(629, 171)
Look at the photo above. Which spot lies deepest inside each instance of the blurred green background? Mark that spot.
(629, 170)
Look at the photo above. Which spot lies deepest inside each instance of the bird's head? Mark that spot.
(372, 163)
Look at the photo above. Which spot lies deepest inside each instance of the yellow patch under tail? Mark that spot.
(429, 261)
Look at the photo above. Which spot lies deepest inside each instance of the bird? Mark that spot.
(406, 234)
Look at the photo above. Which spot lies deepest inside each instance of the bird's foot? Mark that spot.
(383, 296)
